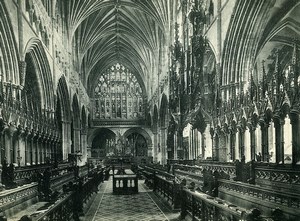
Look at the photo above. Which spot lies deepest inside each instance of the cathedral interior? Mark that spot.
(150, 110)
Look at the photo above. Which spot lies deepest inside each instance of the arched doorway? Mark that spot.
(137, 143)
(63, 113)
(103, 144)
(37, 99)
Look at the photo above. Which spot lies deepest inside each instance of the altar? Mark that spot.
(125, 183)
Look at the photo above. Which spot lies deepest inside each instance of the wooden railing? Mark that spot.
(95, 177)
(26, 174)
(83, 170)
(276, 186)
(281, 178)
(261, 193)
(70, 206)
(225, 170)
(159, 171)
(168, 189)
(183, 162)
(200, 206)
(16, 196)
(63, 210)
(13, 196)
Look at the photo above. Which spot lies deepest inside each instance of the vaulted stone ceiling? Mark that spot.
(105, 32)
(257, 28)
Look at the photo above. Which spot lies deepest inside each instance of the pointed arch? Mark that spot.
(94, 133)
(36, 53)
(64, 99)
(83, 118)
(9, 59)
(75, 112)
(155, 119)
(139, 131)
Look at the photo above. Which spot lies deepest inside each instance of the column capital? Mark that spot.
(294, 116)
(83, 133)
(278, 120)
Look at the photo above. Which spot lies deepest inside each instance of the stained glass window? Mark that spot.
(118, 95)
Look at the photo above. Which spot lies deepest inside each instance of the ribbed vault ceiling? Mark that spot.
(105, 32)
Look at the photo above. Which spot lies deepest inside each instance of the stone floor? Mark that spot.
(144, 206)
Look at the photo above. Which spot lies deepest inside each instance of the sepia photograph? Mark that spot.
(150, 110)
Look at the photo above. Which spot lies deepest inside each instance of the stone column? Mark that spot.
(21, 156)
(56, 146)
(42, 148)
(51, 148)
(176, 144)
(155, 143)
(150, 150)
(236, 145)
(215, 140)
(2, 146)
(294, 116)
(55, 150)
(195, 143)
(241, 135)
(252, 142)
(227, 137)
(179, 150)
(192, 146)
(8, 145)
(271, 142)
(163, 145)
(77, 144)
(279, 140)
(26, 145)
(2, 151)
(31, 148)
(208, 143)
(36, 149)
(47, 152)
(66, 139)
(83, 146)
(15, 142)
(232, 143)
(222, 145)
(89, 152)
(247, 144)
(190, 157)
(264, 142)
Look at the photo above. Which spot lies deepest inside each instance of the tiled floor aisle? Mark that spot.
(135, 207)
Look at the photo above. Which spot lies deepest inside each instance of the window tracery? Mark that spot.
(118, 95)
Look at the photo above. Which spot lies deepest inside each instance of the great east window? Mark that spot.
(118, 94)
